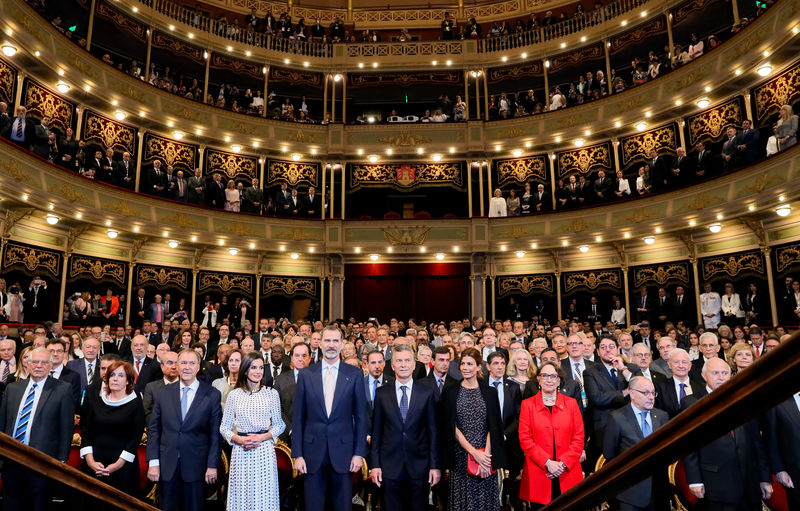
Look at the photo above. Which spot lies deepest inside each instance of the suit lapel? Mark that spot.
(341, 381)
(201, 395)
(316, 385)
(634, 420)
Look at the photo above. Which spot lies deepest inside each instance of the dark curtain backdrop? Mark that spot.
(432, 292)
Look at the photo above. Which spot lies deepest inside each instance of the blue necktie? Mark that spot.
(22, 425)
(645, 426)
(682, 393)
(403, 403)
(184, 402)
(374, 388)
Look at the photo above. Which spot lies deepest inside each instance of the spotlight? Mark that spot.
(373, 158)
(9, 50)
(439, 256)
(120, 115)
(51, 219)
(296, 156)
(641, 126)
(172, 243)
(715, 227)
(177, 134)
(62, 87)
(583, 248)
(579, 142)
(233, 251)
(520, 253)
(112, 233)
(783, 210)
(337, 77)
(294, 255)
(764, 70)
(374, 257)
(649, 240)
(703, 102)
(517, 153)
(436, 157)
(236, 148)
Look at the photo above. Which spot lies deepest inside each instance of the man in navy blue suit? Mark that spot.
(405, 441)
(329, 426)
(183, 440)
(748, 142)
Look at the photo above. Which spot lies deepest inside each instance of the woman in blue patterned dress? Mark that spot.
(251, 423)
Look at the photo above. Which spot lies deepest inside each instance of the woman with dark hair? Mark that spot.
(183, 340)
(472, 438)
(251, 423)
(111, 429)
(231, 369)
(551, 435)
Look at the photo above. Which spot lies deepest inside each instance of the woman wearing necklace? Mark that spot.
(551, 436)
(251, 423)
(472, 438)
(111, 429)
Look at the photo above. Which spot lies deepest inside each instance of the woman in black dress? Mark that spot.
(111, 430)
(471, 427)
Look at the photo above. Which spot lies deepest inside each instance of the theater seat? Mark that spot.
(778, 500)
(391, 215)
(412, 118)
(677, 479)
(422, 214)
(394, 118)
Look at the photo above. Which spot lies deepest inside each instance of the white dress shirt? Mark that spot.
(399, 392)
(687, 389)
(500, 391)
(189, 399)
(37, 394)
(328, 367)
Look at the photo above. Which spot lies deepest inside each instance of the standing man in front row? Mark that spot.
(183, 440)
(329, 426)
(39, 412)
(405, 441)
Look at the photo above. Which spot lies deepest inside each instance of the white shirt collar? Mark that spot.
(107, 400)
(492, 380)
(639, 412)
(56, 372)
(194, 386)
(334, 366)
(408, 385)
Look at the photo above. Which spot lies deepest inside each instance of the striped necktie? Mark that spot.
(20, 432)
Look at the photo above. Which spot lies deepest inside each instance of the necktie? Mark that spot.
(758, 351)
(578, 374)
(19, 128)
(682, 393)
(6, 371)
(52, 373)
(138, 366)
(646, 430)
(439, 383)
(330, 387)
(643, 302)
(274, 372)
(184, 402)
(614, 375)
(404, 403)
(90, 373)
(374, 389)
(22, 424)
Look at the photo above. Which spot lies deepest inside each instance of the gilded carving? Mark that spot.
(630, 104)
(690, 79)
(295, 234)
(638, 146)
(237, 66)
(225, 282)
(711, 124)
(404, 139)
(522, 170)
(231, 165)
(786, 257)
(411, 236)
(277, 74)
(592, 280)
(407, 175)
(762, 182)
(178, 48)
(575, 57)
(683, 11)
(8, 82)
(121, 21)
(702, 202)
(661, 274)
(524, 285)
(97, 268)
(733, 265)
(108, 133)
(635, 36)
(784, 89)
(180, 220)
(516, 71)
(41, 102)
(512, 132)
(303, 137)
(161, 276)
(293, 173)
(639, 215)
(69, 193)
(403, 79)
(579, 225)
(123, 207)
(179, 155)
(289, 286)
(238, 229)
(516, 232)
(585, 160)
(33, 259)
(14, 169)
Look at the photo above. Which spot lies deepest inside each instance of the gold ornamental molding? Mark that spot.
(522, 170)
(639, 215)
(282, 75)
(178, 48)
(289, 286)
(123, 208)
(576, 57)
(14, 169)
(225, 281)
(734, 265)
(516, 232)
(585, 160)
(404, 139)
(525, 69)
(121, 21)
(162, 276)
(580, 225)
(230, 165)
(411, 236)
(296, 234)
(240, 67)
(637, 147)
(32, 259)
(360, 80)
(42, 102)
(8, 83)
(686, 9)
(710, 124)
(406, 175)
(180, 220)
(69, 193)
(638, 34)
(524, 285)
(609, 279)
(786, 257)
(181, 156)
(237, 229)
(770, 96)
(292, 173)
(661, 274)
(97, 269)
(108, 133)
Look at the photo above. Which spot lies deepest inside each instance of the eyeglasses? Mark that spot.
(575, 343)
(552, 376)
(647, 393)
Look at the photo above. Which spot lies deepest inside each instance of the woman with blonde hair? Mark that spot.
(786, 132)
(741, 357)
(22, 368)
(521, 368)
(231, 197)
(497, 206)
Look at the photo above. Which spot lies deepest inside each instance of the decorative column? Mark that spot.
(321, 298)
(200, 151)
(748, 108)
(62, 292)
(607, 51)
(194, 292)
(735, 6)
(342, 187)
(330, 297)
(670, 40)
(771, 285)
(263, 165)
(198, 256)
(333, 101)
(545, 66)
(205, 81)
(139, 154)
(18, 96)
(494, 311)
(332, 193)
(324, 167)
(551, 156)
(615, 148)
(344, 98)
(477, 98)
(79, 124)
(472, 295)
(266, 86)
(89, 36)
(489, 182)
(466, 94)
(324, 94)
(147, 59)
(128, 293)
(485, 92)
(480, 188)
(558, 293)
(696, 280)
(258, 291)
(682, 135)
(484, 313)
(469, 189)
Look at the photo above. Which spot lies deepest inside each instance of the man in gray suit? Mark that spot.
(87, 366)
(197, 188)
(253, 198)
(169, 369)
(39, 412)
(286, 383)
(628, 425)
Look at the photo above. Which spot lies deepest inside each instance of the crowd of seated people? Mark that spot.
(491, 378)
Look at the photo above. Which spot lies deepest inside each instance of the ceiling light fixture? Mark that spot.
(520, 253)
(236, 148)
(62, 87)
(436, 157)
(374, 257)
(120, 115)
(9, 50)
(649, 240)
(177, 134)
(764, 70)
(296, 156)
(715, 227)
(112, 233)
(51, 219)
(233, 251)
(517, 153)
(641, 126)
(579, 142)
(702, 102)
(783, 210)
(172, 243)
(439, 256)
(583, 248)
(373, 158)
(294, 255)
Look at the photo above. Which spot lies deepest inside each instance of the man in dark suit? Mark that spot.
(680, 170)
(311, 204)
(709, 348)
(643, 306)
(541, 199)
(107, 172)
(87, 367)
(437, 378)
(703, 161)
(626, 427)
(329, 426)
(730, 472)
(152, 372)
(375, 376)
(139, 307)
(748, 143)
(169, 374)
(574, 367)
(21, 130)
(593, 311)
(215, 192)
(602, 188)
(663, 309)
(282, 200)
(5, 120)
(510, 403)
(137, 355)
(405, 442)
(731, 156)
(8, 362)
(58, 351)
(782, 435)
(295, 204)
(642, 358)
(125, 172)
(183, 440)
(38, 305)
(672, 391)
(659, 170)
(253, 198)
(156, 181)
(682, 308)
(39, 412)
(606, 385)
(181, 189)
(286, 384)
(490, 345)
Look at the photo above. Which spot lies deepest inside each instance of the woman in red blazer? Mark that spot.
(546, 419)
